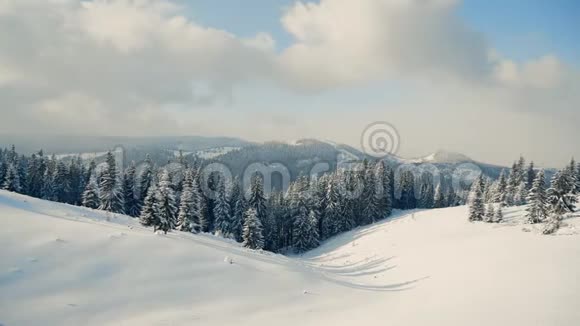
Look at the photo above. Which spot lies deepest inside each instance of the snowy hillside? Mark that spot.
(442, 157)
(65, 265)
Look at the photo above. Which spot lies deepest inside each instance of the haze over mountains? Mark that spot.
(298, 156)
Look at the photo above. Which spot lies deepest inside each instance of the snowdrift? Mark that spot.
(65, 265)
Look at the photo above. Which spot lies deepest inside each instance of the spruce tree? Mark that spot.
(407, 186)
(561, 200)
(148, 216)
(512, 185)
(489, 213)
(238, 207)
(252, 231)
(578, 178)
(333, 210)
(439, 199)
(62, 183)
(571, 178)
(201, 214)
(129, 194)
(427, 192)
(498, 218)
(313, 218)
(91, 194)
(48, 183)
(537, 210)
(500, 189)
(165, 204)
(257, 201)
(452, 198)
(145, 179)
(11, 179)
(384, 193)
(186, 217)
(476, 207)
(110, 195)
(222, 210)
(370, 205)
(560, 196)
(521, 195)
(530, 176)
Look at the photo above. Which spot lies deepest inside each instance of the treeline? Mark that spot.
(527, 186)
(180, 197)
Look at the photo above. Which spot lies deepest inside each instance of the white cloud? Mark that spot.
(143, 67)
(352, 41)
(545, 72)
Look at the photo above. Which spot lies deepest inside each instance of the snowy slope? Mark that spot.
(441, 157)
(63, 265)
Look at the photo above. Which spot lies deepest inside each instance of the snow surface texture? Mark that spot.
(64, 265)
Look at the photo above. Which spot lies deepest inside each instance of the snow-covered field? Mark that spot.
(64, 265)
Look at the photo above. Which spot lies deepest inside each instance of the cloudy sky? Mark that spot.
(492, 79)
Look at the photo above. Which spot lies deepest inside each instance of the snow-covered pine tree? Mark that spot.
(408, 199)
(560, 196)
(500, 189)
(129, 194)
(91, 194)
(238, 207)
(186, 216)
(110, 195)
(11, 178)
(498, 218)
(571, 178)
(521, 173)
(33, 182)
(521, 195)
(530, 176)
(370, 205)
(537, 210)
(427, 191)
(488, 194)
(221, 210)
(280, 213)
(304, 233)
(300, 231)
(333, 209)
(561, 201)
(313, 218)
(3, 167)
(439, 199)
(252, 231)
(201, 214)
(578, 178)
(319, 200)
(48, 183)
(489, 213)
(257, 201)
(512, 185)
(62, 182)
(148, 215)
(77, 180)
(383, 183)
(476, 206)
(145, 179)
(350, 200)
(166, 204)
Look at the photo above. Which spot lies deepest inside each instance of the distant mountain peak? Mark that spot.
(442, 156)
